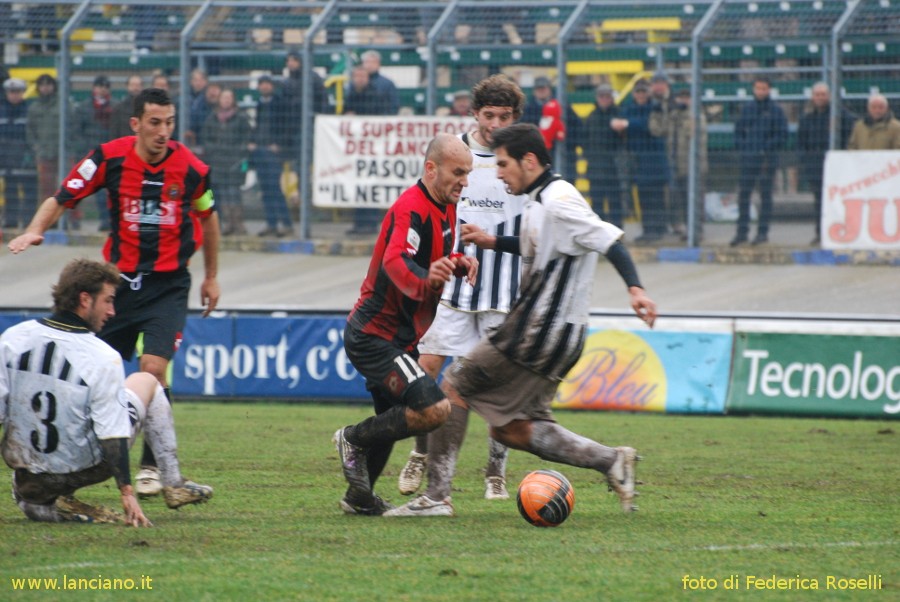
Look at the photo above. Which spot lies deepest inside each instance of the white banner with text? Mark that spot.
(368, 161)
(861, 202)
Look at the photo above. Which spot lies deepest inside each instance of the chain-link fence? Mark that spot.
(689, 69)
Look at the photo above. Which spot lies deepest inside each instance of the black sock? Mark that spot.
(382, 429)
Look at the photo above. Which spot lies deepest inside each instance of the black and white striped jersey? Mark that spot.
(62, 389)
(486, 203)
(560, 238)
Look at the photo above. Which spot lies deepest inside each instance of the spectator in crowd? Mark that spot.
(541, 93)
(210, 104)
(160, 81)
(199, 107)
(123, 110)
(363, 99)
(265, 156)
(91, 126)
(226, 135)
(574, 138)
(43, 134)
(16, 159)
(385, 90)
(293, 88)
(604, 150)
(674, 122)
(462, 104)
(650, 166)
(814, 140)
(760, 132)
(878, 130)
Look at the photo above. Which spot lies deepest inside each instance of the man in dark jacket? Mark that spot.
(604, 149)
(650, 167)
(269, 140)
(813, 139)
(759, 134)
(16, 160)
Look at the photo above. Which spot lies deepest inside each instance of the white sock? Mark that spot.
(552, 442)
(159, 431)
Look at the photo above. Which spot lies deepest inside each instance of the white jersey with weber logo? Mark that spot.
(62, 389)
(486, 203)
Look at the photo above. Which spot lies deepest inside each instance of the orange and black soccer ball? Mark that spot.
(545, 498)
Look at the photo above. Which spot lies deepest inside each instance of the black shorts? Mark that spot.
(393, 376)
(155, 306)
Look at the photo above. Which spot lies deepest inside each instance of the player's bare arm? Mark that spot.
(209, 289)
(47, 214)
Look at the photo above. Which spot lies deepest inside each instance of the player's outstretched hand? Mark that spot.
(209, 295)
(23, 241)
(470, 233)
(134, 516)
(643, 305)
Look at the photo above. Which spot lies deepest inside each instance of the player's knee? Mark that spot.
(433, 416)
(143, 384)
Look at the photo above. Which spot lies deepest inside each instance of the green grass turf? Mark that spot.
(722, 497)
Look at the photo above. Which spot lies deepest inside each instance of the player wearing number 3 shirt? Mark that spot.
(409, 267)
(68, 413)
(162, 211)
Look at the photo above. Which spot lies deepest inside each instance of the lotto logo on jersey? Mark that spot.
(87, 169)
(75, 184)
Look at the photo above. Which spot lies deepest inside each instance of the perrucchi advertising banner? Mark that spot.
(816, 374)
(860, 204)
(677, 372)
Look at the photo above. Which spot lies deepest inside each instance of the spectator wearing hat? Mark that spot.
(541, 93)
(604, 149)
(649, 164)
(674, 122)
(16, 159)
(91, 126)
(462, 104)
(267, 144)
(43, 134)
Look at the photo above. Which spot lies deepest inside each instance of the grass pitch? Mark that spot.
(796, 500)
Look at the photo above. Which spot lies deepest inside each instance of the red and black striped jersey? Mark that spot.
(152, 207)
(396, 303)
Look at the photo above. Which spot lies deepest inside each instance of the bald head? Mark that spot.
(821, 95)
(448, 162)
(878, 106)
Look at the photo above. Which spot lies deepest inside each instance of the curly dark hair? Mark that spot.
(82, 276)
(498, 91)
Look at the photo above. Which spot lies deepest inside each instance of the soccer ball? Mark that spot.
(545, 498)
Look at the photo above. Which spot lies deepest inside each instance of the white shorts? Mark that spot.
(454, 332)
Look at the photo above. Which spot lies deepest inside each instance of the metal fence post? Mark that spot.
(696, 110)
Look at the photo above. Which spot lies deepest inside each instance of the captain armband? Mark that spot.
(205, 202)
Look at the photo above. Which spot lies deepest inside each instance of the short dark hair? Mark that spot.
(519, 139)
(150, 96)
(82, 276)
(764, 79)
(498, 91)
